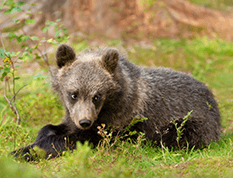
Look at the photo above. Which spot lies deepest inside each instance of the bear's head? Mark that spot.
(85, 81)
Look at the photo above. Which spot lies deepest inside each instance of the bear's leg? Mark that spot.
(53, 139)
(195, 133)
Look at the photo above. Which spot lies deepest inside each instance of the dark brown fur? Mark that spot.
(101, 86)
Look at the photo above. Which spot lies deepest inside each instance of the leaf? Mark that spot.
(2, 55)
(33, 4)
(6, 69)
(8, 54)
(45, 29)
(30, 49)
(25, 38)
(7, 60)
(64, 30)
(39, 77)
(34, 38)
(13, 10)
(58, 33)
(16, 21)
(17, 78)
(12, 35)
(20, 3)
(3, 75)
(50, 23)
(37, 56)
(19, 38)
(30, 21)
(50, 40)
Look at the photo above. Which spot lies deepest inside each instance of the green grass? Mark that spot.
(210, 61)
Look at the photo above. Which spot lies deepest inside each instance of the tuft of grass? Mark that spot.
(10, 168)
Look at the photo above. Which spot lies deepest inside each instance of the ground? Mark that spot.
(208, 60)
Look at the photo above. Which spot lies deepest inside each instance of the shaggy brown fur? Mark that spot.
(101, 86)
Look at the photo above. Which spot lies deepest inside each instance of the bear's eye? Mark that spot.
(74, 96)
(96, 97)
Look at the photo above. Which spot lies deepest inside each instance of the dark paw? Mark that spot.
(26, 153)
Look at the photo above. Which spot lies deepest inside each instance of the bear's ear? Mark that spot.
(65, 54)
(110, 59)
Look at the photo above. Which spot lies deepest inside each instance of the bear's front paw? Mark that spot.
(25, 153)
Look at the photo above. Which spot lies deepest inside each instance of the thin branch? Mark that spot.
(9, 88)
(13, 107)
(17, 114)
(18, 92)
(13, 80)
(44, 56)
(45, 49)
(2, 40)
(116, 138)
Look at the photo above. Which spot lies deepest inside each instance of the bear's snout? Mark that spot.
(85, 123)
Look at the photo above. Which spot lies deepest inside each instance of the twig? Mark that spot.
(45, 49)
(2, 40)
(13, 107)
(18, 92)
(116, 138)
(44, 56)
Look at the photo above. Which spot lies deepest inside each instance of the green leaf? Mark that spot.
(17, 78)
(10, 3)
(2, 55)
(58, 33)
(6, 69)
(8, 54)
(45, 29)
(30, 21)
(13, 10)
(59, 39)
(39, 77)
(16, 21)
(19, 39)
(64, 30)
(25, 38)
(7, 11)
(3, 75)
(20, 3)
(34, 38)
(50, 23)
(37, 56)
(12, 35)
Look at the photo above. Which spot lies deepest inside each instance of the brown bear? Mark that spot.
(101, 86)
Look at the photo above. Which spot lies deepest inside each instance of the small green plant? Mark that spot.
(209, 105)
(32, 47)
(180, 129)
(112, 135)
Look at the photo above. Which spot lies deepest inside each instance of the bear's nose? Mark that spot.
(85, 123)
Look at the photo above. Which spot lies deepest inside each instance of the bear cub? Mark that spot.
(102, 87)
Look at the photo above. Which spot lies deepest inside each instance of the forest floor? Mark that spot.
(208, 60)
